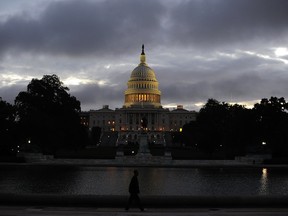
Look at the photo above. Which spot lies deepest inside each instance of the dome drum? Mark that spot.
(143, 97)
(142, 85)
(147, 91)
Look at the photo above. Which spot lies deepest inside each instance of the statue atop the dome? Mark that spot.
(143, 53)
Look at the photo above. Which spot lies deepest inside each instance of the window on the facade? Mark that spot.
(153, 118)
(130, 119)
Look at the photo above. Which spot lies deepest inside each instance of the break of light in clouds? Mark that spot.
(233, 51)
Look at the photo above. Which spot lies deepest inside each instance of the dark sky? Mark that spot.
(229, 50)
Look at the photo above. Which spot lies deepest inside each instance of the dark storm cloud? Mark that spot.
(207, 23)
(9, 93)
(111, 27)
(84, 27)
(245, 87)
(92, 94)
(242, 78)
(249, 87)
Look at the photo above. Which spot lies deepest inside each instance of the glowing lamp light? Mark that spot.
(263, 143)
(180, 129)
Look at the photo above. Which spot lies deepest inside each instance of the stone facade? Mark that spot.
(129, 119)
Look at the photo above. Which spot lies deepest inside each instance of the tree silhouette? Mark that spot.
(7, 119)
(211, 122)
(48, 115)
(225, 127)
(272, 120)
(238, 130)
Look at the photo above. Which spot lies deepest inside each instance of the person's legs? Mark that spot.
(129, 202)
(137, 199)
(134, 197)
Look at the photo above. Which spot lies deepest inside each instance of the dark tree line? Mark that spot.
(45, 118)
(236, 130)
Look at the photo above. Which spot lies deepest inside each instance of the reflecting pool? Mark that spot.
(86, 180)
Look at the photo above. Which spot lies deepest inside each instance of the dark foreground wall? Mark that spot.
(148, 201)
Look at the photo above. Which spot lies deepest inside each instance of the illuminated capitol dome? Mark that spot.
(142, 86)
(142, 103)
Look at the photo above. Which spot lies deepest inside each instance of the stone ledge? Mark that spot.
(148, 201)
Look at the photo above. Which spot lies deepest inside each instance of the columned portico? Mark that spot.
(131, 118)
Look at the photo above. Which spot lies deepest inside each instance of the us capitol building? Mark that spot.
(142, 109)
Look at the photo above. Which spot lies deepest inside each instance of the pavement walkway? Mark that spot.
(87, 211)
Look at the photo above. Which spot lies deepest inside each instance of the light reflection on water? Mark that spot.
(264, 182)
(91, 180)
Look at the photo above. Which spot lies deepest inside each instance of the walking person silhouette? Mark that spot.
(134, 191)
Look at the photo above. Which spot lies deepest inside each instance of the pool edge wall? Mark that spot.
(148, 201)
